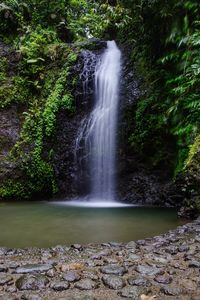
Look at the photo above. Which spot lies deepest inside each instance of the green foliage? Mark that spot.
(88, 18)
(165, 40)
(43, 85)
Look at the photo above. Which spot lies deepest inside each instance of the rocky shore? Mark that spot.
(163, 267)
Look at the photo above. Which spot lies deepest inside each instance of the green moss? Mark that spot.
(43, 87)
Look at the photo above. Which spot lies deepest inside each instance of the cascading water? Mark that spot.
(99, 130)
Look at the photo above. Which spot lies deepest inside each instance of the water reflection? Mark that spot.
(44, 224)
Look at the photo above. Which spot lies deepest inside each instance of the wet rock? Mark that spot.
(171, 291)
(141, 242)
(113, 282)
(51, 273)
(86, 284)
(113, 269)
(99, 255)
(133, 257)
(165, 279)
(110, 260)
(5, 279)
(115, 244)
(197, 239)
(194, 264)
(172, 250)
(3, 268)
(91, 275)
(183, 248)
(71, 276)
(31, 282)
(131, 245)
(31, 297)
(60, 286)
(139, 281)
(3, 250)
(132, 292)
(147, 270)
(77, 247)
(11, 288)
(33, 268)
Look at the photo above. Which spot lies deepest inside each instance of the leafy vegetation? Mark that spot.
(165, 50)
(162, 39)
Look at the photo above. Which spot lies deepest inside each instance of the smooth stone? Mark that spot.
(86, 284)
(113, 282)
(11, 288)
(165, 279)
(194, 264)
(3, 251)
(71, 276)
(147, 270)
(131, 245)
(103, 253)
(171, 291)
(183, 248)
(51, 273)
(33, 268)
(77, 247)
(115, 244)
(132, 292)
(60, 286)
(4, 278)
(133, 257)
(90, 274)
(139, 281)
(110, 260)
(31, 297)
(3, 268)
(31, 282)
(113, 269)
(172, 250)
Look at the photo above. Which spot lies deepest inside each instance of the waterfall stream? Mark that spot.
(99, 129)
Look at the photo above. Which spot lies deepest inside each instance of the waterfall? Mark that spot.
(99, 129)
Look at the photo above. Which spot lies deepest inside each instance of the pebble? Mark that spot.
(71, 276)
(3, 268)
(171, 291)
(31, 297)
(164, 279)
(113, 269)
(86, 284)
(132, 292)
(4, 278)
(139, 281)
(33, 268)
(31, 282)
(113, 282)
(60, 286)
(147, 270)
(169, 263)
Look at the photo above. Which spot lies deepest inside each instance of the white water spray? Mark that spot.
(103, 125)
(99, 130)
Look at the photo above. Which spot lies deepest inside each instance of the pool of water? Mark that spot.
(48, 224)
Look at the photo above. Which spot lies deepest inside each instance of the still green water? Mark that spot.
(47, 224)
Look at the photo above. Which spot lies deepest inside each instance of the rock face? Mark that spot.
(137, 183)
